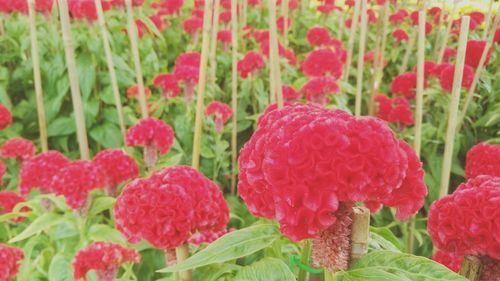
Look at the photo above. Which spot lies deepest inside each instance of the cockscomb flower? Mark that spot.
(405, 84)
(117, 168)
(168, 84)
(318, 36)
(8, 201)
(187, 70)
(478, 17)
(280, 24)
(11, 258)
(372, 17)
(39, 171)
(304, 161)
(224, 36)
(159, 22)
(192, 25)
(222, 113)
(475, 49)
(322, 62)
(250, 64)
(5, 117)
(170, 7)
(133, 92)
(317, 89)
(85, 9)
(152, 134)
(398, 17)
(254, 3)
(429, 67)
(438, 68)
(483, 159)
(448, 54)
(446, 77)
(103, 257)
(400, 35)
(395, 110)
(449, 260)
(289, 93)
(3, 170)
(225, 17)
(17, 148)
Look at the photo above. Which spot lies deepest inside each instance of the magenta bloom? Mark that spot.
(17, 148)
(168, 84)
(322, 62)
(39, 171)
(222, 113)
(11, 259)
(187, 70)
(5, 117)
(116, 166)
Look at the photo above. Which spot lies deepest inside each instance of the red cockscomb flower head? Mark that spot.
(85, 9)
(405, 84)
(168, 84)
(253, 3)
(224, 36)
(225, 17)
(17, 148)
(438, 68)
(483, 159)
(250, 64)
(8, 201)
(322, 62)
(350, 3)
(222, 113)
(372, 17)
(226, 4)
(261, 35)
(395, 110)
(475, 49)
(448, 54)
(348, 23)
(187, 70)
(449, 260)
(5, 117)
(369, 56)
(429, 67)
(398, 17)
(478, 17)
(3, 170)
(289, 93)
(192, 25)
(152, 134)
(447, 76)
(75, 181)
(206, 237)
(434, 11)
(280, 23)
(170, 7)
(326, 8)
(133, 92)
(318, 36)
(117, 168)
(103, 257)
(317, 89)
(158, 21)
(305, 162)
(400, 35)
(39, 171)
(11, 258)
(197, 13)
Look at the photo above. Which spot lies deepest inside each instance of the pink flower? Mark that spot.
(400, 35)
(222, 113)
(116, 166)
(398, 17)
(85, 9)
(475, 49)
(289, 93)
(168, 84)
(395, 110)
(250, 64)
(428, 68)
(224, 36)
(5, 117)
(449, 260)
(225, 17)
(3, 170)
(8, 201)
(39, 171)
(405, 84)
(447, 77)
(192, 25)
(17, 148)
(483, 159)
(317, 89)
(448, 54)
(318, 36)
(187, 70)
(11, 258)
(322, 62)
(280, 23)
(170, 7)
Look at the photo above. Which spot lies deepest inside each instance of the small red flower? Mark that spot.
(116, 166)
(317, 89)
(397, 110)
(280, 23)
(429, 67)
(168, 84)
(400, 35)
(372, 17)
(133, 92)
(224, 36)
(475, 49)
(318, 36)
(187, 70)
(3, 170)
(5, 117)
(250, 64)
(448, 54)
(11, 258)
(226, 4)
(85, 9)
(39, 171)
(483, 159)
(405, 84)
(225, 17)
(222, 113)
(497, 36)
(289, 93)
(447, 76)
(398, 17)
(8, 201)
(17, 148)
(170, 7)
(192, 25)
(478, 17)
(322, 62)
(103, 257)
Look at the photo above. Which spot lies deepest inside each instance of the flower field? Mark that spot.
(237, 140)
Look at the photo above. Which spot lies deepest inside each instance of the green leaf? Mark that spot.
(86, 74)
(62, 126)
(60, 268)
(101, 204)
(390, 266)
(109, 135)
(102, 232)
(40, 224)
(383, 238)
(269, 269)
(231, 246)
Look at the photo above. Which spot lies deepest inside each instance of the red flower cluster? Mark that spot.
(396, 110)
(187, 69)
(168, 84)
(303, 161)
(169, 7)
(322, 62)
(170, 206)
(133, 92)
(17, 148)
(103, 257)
(225, 17)
(318, 36)
(3, 170)
(5, 117)
(475, 49)
(224, 36)
(289, 93)
(85, 9)
(483, 159)
(448, 54)
(250, 64)
(10, 257)
(116, 166)
(405, 84)
(398, 17)
(400, 35)
(75, 181)
(39, 171)
(280, 23)
(8, 201)
(192, 25)
(317, 89)
(447, 76)
(10, 6)
(222, 113)
(449, 260)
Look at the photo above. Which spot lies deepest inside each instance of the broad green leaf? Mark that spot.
(62, 126)
(231, 246)
(40, 224)
(269, 269)
(60, 268)
(384, 237)
(101, 204)
(215, 272)
(102, 232)
(108, 135)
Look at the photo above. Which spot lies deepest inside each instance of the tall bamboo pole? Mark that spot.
(111, 66)
(438, 26)
(488, 21)
(274, 55)
(379, 58)
(37, 77)
(453, 107)
(134, 45)
(444, 41)
(409, 50)
(285, 22)
(352, 38)
(234, 96)
(361, 54)
(213, 44)
(81, 131)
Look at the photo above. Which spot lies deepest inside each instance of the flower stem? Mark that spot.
(304, 258)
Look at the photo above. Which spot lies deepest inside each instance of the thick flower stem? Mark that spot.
(182, 253)
(471, 268)
(304, 258)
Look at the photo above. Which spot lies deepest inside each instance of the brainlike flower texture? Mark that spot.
(250, 64)
(187, 69)
(17, 148)
(171, 206)
(8, 201)
(317, 89)
(396, 110)
(318, 36)
(304, 160)
(168, 84)
(446, 77)
(39, 171)
(405, 84)
(400, 35)
(289, 93)
(222, 113)
(449, 260)
(475, 49)
(11, 258)
(103, 257)
(322, 62)
(5, 117)
(3, 170)
(75, 181)
(483, 159)
(116, 166)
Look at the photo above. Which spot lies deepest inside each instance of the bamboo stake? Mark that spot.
(352, 37)
(201, 84)
(37, 77)
(111, 66)
(471, 268)
(81, 131)
(234, 98)
(361, 61)
(477, 75)
(213, 44)
(340, 25)
(453, 108)
(360, 233)
(409, 49)
(438, 26)
(285, 22)
(244, 14)
(488, 21)
(444, 42)
(182, 253)
(417, 141)
(379, 58)
(274, 55)
(132, 33)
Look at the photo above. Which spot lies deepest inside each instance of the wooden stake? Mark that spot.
(379, 58)
(234, 97)
(438, 26)
(285, 22)
(444, 42)
(275, 74)
(360, 233)
(471, 268)
(37, 77)
(488, 21)
(81, 131)
(111, 66)
(182, 254)
(213, 44)
(340, 25)
(409, 50)
(453, 107)
(134, 45)
(201, 84)
(352, 37)
(361, 61)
